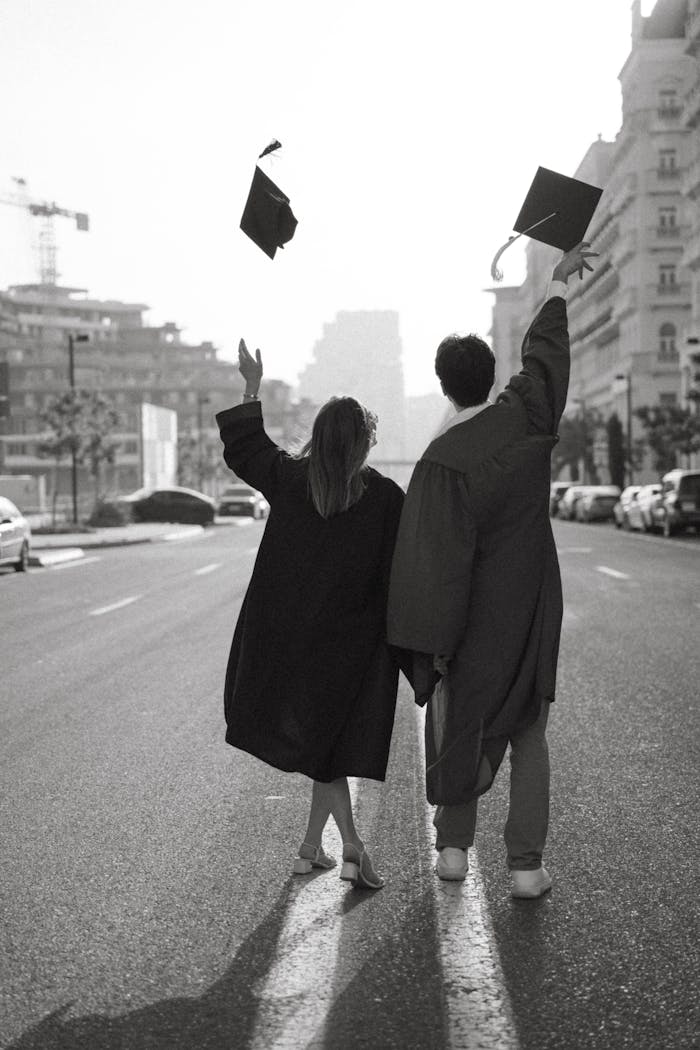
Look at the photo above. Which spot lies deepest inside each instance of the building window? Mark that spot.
(668, 167)
(667, 277)
(666, 400)
(668, 103)
(667, 342)
(667, 220)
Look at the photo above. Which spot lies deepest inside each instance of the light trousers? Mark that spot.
(525, 832)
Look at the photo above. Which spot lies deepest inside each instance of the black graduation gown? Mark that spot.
(475, 573)
(311, 683)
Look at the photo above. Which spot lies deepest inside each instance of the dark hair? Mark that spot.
(342, 435)
(466, 366)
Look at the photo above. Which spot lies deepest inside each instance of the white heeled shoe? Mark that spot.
(312, 857)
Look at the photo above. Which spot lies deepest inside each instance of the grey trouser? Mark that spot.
(528, 811)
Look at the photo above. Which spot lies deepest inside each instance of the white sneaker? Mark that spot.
(530, 883)
(452, 864)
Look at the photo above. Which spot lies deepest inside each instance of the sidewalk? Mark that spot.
(117, 536)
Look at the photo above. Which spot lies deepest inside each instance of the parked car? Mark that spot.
(621, 508)
(556, 491)
(644, 514)
(170, 504)
(680, 501)
(15, 536)
(567, 504)
(597, 502)
(237, 500)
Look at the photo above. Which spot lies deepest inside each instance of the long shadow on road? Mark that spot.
(224, 1016)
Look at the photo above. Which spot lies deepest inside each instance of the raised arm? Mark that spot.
(543, 381)
(248, 450)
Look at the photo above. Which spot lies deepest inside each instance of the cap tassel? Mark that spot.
(496, 273)
(270, 148)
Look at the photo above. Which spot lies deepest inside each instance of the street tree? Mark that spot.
(82, 422)
(575, 445)
(616, 450)
(670, 431)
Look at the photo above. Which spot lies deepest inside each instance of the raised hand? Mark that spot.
(251, 368)
(574, 261)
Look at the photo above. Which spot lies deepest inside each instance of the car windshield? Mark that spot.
(690, 485)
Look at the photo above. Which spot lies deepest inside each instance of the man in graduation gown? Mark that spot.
(475, 587)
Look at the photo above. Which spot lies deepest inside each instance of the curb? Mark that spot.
(101, 544)
(44, 559)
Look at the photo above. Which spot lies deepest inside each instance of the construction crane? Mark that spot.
(45, 211)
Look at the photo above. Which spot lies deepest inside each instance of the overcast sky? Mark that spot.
(411, 132)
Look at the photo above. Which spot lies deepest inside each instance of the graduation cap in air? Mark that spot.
(557, 210)
(267, 218)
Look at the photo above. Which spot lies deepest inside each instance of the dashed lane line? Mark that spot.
(207, 568)
(616, 575)
(479, 1013)
(298, 991)
(574, 550)
(73, 564)
(115, 605)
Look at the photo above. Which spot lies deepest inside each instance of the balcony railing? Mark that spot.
(691, 253)
(668, 173)
(692, 31)
(691, 180)
(669, 112)
(672, 290)
(668, 232)
(624, 249)
(691, 107)
(625, 303)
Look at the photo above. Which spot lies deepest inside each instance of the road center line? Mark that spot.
(612, 572)
(114, 605)
(574, 550)
(74, 564)
(299, 989)
(207, 568)
(478, 1006)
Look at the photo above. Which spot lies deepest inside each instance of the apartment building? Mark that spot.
(690, 188)
(628, 319)
(129, 362)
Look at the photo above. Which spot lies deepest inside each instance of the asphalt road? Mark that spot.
(144, 871)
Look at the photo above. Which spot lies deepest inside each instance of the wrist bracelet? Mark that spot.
(250, 397)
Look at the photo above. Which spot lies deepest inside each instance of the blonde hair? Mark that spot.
(342, 435)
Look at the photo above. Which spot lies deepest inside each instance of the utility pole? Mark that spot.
(72, 339)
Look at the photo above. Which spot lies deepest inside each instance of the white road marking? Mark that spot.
(115, 605)
(207, 568)
(612, 572)
(479, 1013)
(569, 615)
(574, 550)
(300, 988)
(73, 564)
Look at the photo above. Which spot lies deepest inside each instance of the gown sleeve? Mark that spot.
(432, 565)
(249, 452)
(543, 381)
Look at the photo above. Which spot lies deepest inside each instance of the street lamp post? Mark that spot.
(72, 339)
(202, 399)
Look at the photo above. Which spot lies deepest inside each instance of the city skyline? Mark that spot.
(155, 135)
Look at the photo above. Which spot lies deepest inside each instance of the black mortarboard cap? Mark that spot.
(557, 211)
(267, 218)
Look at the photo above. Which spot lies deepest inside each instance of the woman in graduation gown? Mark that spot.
(311, 683)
